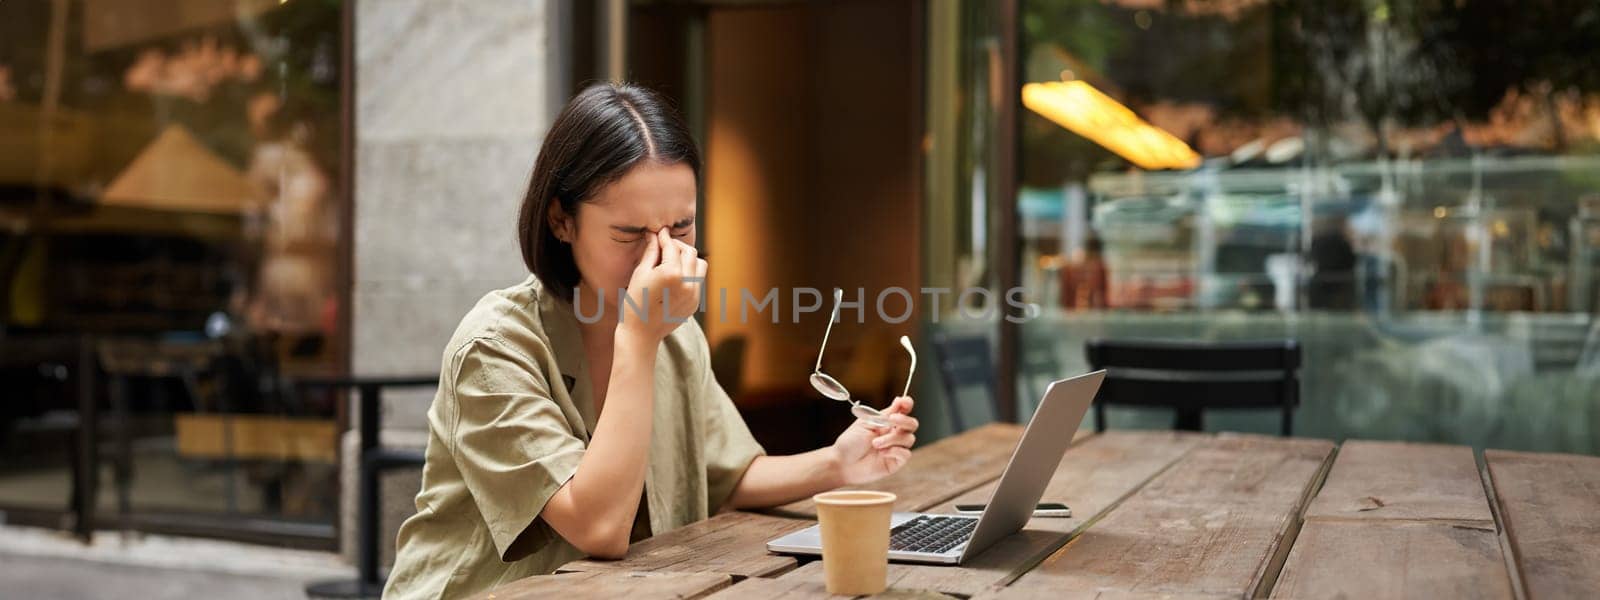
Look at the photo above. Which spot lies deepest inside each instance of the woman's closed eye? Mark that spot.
(635, 235)
(639, 238)
(682, 228)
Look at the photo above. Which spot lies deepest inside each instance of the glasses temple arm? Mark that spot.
(909, 372)
(838, 295)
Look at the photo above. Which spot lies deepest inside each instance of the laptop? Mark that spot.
(951, 539)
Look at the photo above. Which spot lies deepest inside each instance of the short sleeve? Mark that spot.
(729, 447)
(512, 443)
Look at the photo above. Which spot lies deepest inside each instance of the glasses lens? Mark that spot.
(868, 414)
(829, 387)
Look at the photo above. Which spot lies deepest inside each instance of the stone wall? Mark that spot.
(452, 100)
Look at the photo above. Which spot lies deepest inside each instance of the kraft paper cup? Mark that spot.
(855, 540)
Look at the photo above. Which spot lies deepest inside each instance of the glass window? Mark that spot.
(960, 298)
(1407, 188)
(169, 195)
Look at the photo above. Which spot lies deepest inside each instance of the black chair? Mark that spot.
(964, 364)
(727, 364)
(1040, 365)
(1191, 377)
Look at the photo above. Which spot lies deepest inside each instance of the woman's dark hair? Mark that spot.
(602, 133)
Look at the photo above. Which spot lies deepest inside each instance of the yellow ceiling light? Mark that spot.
(1083, 110)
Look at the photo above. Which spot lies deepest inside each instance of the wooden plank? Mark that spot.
(732, 543)
(610, 584)
(1398, 520)
(220, 436)
(1411, 482)
(1550, 510)
(1394, 559)
(1094, 475)
(938, 471)
(1242, 469)
(804, 583)
(1166, 548)
(1043, 594)
(1220, 521)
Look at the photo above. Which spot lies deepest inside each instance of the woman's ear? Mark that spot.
(561, 224)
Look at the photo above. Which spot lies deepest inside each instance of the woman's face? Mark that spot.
(608, 236)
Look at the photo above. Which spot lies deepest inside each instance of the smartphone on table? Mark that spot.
(1042, 509)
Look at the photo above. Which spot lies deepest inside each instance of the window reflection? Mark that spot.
(170, 212)
(1395, 184)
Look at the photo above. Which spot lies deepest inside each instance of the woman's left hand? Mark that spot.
(868, 452)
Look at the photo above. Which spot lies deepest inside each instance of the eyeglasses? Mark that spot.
(830, 387)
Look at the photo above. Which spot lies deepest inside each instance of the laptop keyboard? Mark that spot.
(928, 533)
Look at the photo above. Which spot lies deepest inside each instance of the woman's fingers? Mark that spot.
(902, 405)
(899, 414)
(899, 418)
(700, 278)
(652, 255)
(669, 249)
(896, 457)
(904, 422)
(683, 264)
(687, 257)
(903, 439)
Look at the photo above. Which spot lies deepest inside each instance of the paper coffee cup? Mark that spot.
(855, 540)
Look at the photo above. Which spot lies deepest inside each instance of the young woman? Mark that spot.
(564, 427)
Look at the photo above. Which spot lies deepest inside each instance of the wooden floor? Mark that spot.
(1177, 515)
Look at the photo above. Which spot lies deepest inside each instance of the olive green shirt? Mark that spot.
(509, 425)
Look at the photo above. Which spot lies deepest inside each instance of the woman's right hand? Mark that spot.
(659, 289)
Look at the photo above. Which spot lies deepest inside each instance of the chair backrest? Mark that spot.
(727, 364)
(964, 366)
(1197, 374)
(1040, 366)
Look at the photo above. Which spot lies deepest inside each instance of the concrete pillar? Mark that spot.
(452, 100)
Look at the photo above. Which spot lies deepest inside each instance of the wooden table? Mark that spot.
(1182, 515)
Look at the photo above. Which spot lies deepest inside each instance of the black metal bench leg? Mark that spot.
(1188, 419)
(368, 582)
(86, 461)
(122, 465)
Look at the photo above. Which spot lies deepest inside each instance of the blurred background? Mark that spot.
(219, 219)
